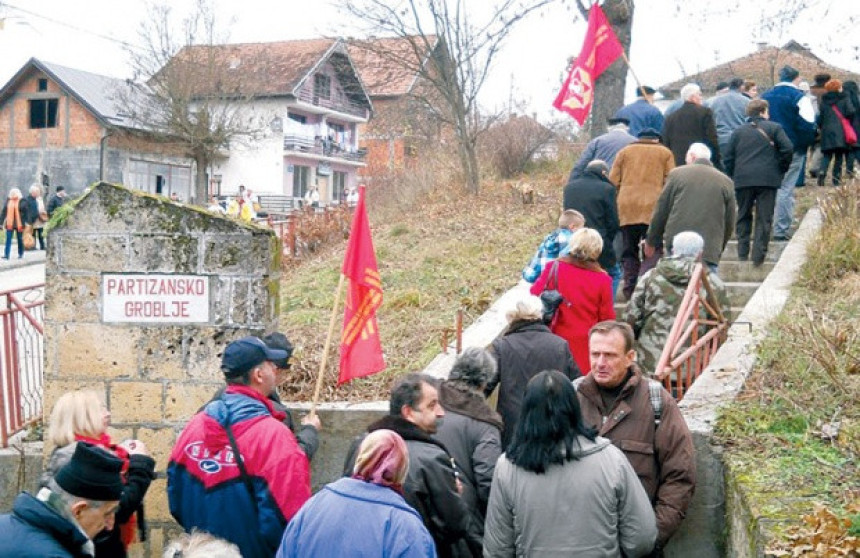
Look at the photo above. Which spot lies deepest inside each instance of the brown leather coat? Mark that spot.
(639, 172)
(663, 457)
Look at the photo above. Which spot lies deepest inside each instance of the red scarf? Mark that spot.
(13, 215)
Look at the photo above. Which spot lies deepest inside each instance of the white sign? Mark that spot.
(155, 298)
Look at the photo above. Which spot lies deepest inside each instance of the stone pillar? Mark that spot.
(142, 296)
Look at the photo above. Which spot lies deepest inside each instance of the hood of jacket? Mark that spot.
(241, 406)
(676, 270)
(589, 447)
(407, 430)
(41, 516)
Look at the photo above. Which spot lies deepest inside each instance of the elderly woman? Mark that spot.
(587, 292)
(365, 515)
(471, 432)
(80, 416)
(560, 490)
(37, 215)
(525, 348)
(12, 216)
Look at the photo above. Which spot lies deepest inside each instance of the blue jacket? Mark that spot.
(35, 530)
(641, 115)
(785, 109)
(204, 486)
(350, 517)
(604, 147)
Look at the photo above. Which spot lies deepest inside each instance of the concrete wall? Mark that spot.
(20, 468)
(153, 376)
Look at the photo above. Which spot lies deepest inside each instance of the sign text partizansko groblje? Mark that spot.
(155, 298)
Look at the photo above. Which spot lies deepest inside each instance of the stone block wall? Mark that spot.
(153, 376)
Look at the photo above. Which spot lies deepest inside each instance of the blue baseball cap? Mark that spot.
(244, 354)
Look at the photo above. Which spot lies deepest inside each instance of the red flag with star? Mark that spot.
(360, 347)
(600, 49)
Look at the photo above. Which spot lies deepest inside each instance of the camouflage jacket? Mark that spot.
(655, 303)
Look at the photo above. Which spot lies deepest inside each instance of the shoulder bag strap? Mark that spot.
(552, 281)
(762, 132)
(240, 462)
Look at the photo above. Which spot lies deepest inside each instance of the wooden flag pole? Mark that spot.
(321, 374)
(632, 71)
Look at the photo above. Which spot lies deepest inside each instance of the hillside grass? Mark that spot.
(436, 254)
(793, 435)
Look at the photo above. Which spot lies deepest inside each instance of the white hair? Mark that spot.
(36, 189)
(687, 244)
(698, 151)
(201, 545)
(528, 308)
(689, 90)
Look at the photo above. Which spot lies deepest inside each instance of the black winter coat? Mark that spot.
(832, 134)
(430, 485)
(595, 197)
(690, 124)
(750, 159)
(34, 530)
(527, 349)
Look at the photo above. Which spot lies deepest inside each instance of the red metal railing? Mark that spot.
(302, 231)
(697, 333)
(21, 359)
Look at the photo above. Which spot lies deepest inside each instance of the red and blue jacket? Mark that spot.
(205, 489)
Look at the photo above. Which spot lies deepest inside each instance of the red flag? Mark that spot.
(600, 49)
(360, 348)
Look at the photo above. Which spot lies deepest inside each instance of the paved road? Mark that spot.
(17, 273)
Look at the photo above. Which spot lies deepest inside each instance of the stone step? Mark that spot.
(774, 249)
(744, 271)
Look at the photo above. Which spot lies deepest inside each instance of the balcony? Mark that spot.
(299, 142)
(342, 106)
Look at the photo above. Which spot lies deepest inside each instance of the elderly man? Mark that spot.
(604, 147)
(641, 113)
(594, 196)
(658, 296)
(639, 172)
(236, 470)
(63, 518)
(691, 123)
(643, 420)
(471, 431)
(431, 485)
(757, 157)
(699, 198)
(792, 109)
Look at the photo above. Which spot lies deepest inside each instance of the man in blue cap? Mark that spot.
(236, 470)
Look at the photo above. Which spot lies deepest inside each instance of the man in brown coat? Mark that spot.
(639, 172)
(616, 399)
(691, 123)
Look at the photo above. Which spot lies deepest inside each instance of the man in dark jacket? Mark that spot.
(57, 200)
(472, 432)
(616, 400)
(789, 107)
(690, 124)
(526, 348)
(64, 517)
(699, 198)
(758, 154)
(641, 113)
(431, 486)
(594, 196)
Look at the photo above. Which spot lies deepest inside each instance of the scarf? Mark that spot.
(13, 215)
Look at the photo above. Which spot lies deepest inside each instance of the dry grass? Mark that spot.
(437, 252)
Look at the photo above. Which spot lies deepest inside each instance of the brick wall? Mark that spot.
(153, 377)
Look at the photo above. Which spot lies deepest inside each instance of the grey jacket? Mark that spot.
(592, 507)
(604, 147)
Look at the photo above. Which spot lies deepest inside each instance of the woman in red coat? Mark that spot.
(587, 292)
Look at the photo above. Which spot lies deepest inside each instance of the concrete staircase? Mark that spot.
(742, 279)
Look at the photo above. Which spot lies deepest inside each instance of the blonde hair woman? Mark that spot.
(13, 222)
(587, 292)
(37, 215)
(81, 416)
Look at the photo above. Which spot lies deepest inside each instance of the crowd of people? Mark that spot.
(581, 452)
(25, 218)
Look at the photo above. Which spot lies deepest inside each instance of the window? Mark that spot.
(322, 87)
(300, 118)
(300, 181)
(43, 84)
(338, 185)
(160, 178)
(43, 113)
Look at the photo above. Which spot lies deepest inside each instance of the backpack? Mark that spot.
(655, 394)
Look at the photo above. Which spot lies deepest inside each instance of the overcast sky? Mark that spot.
(671, 38)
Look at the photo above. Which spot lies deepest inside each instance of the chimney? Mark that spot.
(762, 45)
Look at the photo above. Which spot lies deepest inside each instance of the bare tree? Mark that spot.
(457, 69)
(190, 95)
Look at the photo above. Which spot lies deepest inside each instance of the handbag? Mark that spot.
(28, 238)
(847, 129)
(551, 297)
